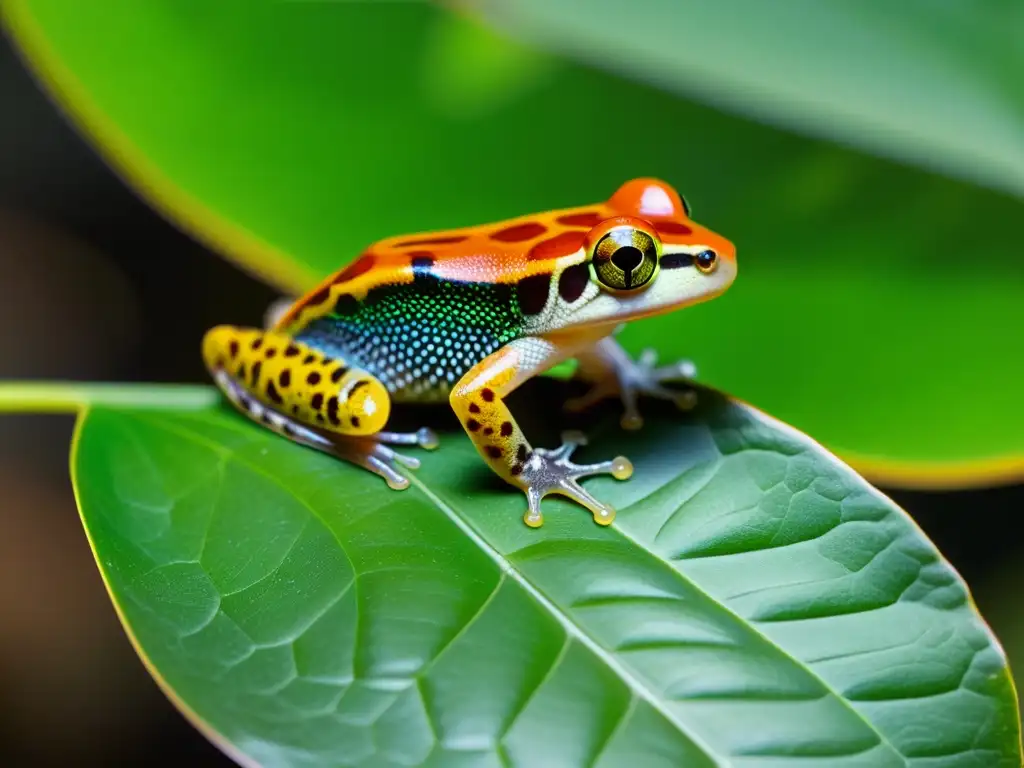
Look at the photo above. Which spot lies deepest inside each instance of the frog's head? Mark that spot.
(644, 256)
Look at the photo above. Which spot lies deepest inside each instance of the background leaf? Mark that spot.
(754, 600)
(933, 83)
(895, 291)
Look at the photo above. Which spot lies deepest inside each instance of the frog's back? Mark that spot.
(419, 310)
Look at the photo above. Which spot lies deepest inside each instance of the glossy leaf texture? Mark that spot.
(935, 84)
(755, 603)
(876, 306)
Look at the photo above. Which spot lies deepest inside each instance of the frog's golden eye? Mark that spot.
(625, 259)
(706, 261)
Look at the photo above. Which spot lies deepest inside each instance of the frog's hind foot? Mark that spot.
(549, 471)
(616, 374)
(369, 452)
(378, 458)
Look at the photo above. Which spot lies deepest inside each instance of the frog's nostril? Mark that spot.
(627, 258)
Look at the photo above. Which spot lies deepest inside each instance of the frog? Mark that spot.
(465, 316)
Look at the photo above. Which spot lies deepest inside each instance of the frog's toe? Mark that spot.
(423, 437)
(395, 479)
(379, 459)
(550, 471)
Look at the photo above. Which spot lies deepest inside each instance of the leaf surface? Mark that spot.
(755, 601)
(935, 84)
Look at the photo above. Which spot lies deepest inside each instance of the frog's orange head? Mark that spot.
(646, 256)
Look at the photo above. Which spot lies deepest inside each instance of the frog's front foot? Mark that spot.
(548, 471)
(374, 454)
(628, 379)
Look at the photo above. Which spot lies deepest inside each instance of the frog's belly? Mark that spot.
(417, 346)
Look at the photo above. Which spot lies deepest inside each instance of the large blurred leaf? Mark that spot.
(936, 83)
(877, 308)
(754, 603)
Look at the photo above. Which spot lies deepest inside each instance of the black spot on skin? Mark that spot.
(472, 425)
(328, 361)
(320, 418)
(233, 349)
(422, 263)
(522, 454)
(265, 418)
(273, 394)
(319, 297)
(271, 351)
(493, 451)
(308, 359)
(488, 431)
(338, 373)
(332, 410)
(285, 379)
(506, 428)
(288, 430)
(355, 421)
(256, 372)
(346, 305)
(317, 401)
(219, 363)
(295, 409)
(357, 386)
(573, 282)
(241, 372)
(517, 469)
(487, 394)
(532, 293)
(313, 379)
(257, 343)
(291, 351)
(676, 260)
(474, 408)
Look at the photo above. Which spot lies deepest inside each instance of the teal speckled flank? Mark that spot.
(419, 338)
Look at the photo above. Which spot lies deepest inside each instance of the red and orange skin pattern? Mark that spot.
(508, 251)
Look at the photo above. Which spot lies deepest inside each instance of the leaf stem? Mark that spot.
(73, 396)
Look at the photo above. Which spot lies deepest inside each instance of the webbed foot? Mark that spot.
(628, 379)
(373, 453)
(549, 471)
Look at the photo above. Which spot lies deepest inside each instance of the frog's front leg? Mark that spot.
(478, 401)
(313, 399)
(612, 373)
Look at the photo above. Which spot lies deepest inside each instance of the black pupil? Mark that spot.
(627, 258)
(706, 258)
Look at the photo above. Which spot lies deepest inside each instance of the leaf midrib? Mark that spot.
(606, 655)
(640, 689)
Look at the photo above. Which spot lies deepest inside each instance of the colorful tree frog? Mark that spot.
(468, 315)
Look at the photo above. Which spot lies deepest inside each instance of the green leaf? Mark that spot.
(936, 84)
(291, 135)
(755, 602)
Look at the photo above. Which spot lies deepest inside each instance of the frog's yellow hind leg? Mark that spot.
(310, 398)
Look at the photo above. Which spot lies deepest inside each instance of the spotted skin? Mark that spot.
(297, 381)
(469, 314)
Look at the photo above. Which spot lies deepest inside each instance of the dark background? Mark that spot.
(96, 286)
